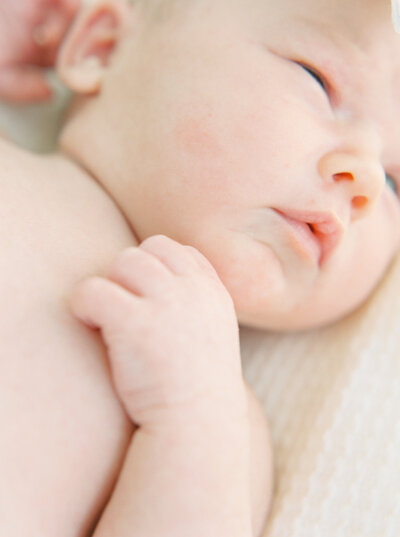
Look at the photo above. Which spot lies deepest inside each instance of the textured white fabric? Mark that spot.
(396, 15)
(332, 397)
(333, 400)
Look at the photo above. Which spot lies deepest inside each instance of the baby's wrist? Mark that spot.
(227, 405)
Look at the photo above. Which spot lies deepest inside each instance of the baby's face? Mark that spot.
(260, 133)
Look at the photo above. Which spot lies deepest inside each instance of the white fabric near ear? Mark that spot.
(333, 400)
(396, 15)
(36, 127)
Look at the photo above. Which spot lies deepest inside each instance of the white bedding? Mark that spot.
(332, 397)
(333, 400)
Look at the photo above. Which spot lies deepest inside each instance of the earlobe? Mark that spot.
(89, 44)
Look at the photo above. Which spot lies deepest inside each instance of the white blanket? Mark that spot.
(333, 400)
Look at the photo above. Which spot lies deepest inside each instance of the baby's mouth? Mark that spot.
(317, 233)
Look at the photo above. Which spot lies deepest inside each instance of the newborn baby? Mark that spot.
(266, 139)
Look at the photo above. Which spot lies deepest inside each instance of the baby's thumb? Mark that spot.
(100, 303)
(23, 84)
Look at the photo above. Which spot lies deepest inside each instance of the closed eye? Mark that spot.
(316, 75)
(391, 183)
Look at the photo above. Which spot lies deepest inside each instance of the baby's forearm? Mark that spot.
(189, 481)
(190, 477)
(200, 463)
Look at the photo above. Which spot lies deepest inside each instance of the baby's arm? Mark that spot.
(172, 339)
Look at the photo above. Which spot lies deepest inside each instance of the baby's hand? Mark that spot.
(31, 32)
(170, 328)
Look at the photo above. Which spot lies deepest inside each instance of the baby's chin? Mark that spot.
(275, 292)
(311, 313)
(285, 311)
(284, 322)
(270, 296)
(270, 300)
(295, 320)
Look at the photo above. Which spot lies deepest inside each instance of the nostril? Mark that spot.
(358, 202)
(344, 176)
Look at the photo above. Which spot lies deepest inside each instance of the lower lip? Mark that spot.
(305, 242)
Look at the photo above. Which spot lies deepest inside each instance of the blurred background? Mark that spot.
(36, 127)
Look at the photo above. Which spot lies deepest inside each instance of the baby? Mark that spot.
(261, 136)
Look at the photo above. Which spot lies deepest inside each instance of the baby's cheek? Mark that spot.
(195, 137)
(203, 164)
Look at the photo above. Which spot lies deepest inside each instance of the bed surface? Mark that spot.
(333, 400)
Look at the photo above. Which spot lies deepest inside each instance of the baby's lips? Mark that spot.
(326, 226)
(328, 242)
(329, 232)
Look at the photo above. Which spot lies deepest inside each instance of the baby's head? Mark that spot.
(257, 131)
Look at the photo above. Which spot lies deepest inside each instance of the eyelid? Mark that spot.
(316, 74)
(392, 183)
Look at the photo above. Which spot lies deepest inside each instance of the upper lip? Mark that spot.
(325, 226)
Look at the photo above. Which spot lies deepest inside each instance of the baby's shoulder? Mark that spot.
(62, 226)
(57, 227)
(59, 409)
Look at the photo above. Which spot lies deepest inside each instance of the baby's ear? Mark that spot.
(91, 40)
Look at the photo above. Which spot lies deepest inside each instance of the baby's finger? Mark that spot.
(175, 256)
(99, 303)
(202, 261)
(70, 7)
(49, 34)
(140, 272)
(23, 84)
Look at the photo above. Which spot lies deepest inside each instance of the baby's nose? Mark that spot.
(357, 171)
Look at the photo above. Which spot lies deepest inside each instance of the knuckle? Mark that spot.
(126, 256)
(92, 286)
(124, 262)
(156, 240)
(201, 259)
(103, 293)
(194, 252)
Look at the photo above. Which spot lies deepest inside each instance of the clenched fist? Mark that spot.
(170, 329)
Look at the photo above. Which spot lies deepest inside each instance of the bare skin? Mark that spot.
(165, 382)
(64, 429)
(142, 117)
(58, 227)
(84, 432)
(31, 35)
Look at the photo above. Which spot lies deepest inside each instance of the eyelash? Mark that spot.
(391, 183)
(316, 75)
